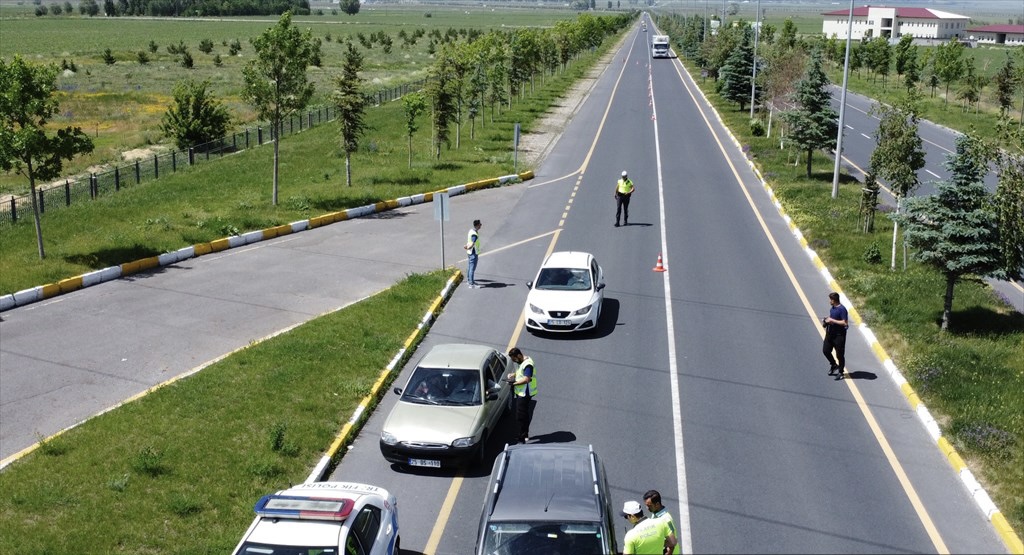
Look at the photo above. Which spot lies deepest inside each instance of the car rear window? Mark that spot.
(564, 538)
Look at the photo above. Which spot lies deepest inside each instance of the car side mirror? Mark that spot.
(600, 286)
(529, 285)
(398, 391)
(492, 395)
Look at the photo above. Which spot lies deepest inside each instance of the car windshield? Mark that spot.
(564, 538)
(564, 279)
(252, 548)
(444, 386)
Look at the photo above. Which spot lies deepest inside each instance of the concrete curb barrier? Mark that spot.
(371, 399)
(41, 292)
(978, 493)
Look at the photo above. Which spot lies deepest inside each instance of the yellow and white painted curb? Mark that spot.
(386, 376)
(41, 292)
(978, 493)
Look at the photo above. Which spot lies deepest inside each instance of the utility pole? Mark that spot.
(706, 22)
(842, 106)
(753, 77)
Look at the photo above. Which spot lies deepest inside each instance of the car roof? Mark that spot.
(547, 482)
(335, 490)
(568, 259)
(455, 355)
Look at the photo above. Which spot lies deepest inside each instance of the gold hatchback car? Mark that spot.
(450, 405)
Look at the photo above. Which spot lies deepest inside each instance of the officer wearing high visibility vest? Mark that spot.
(623, 190)
(524, 388)
(648, 534)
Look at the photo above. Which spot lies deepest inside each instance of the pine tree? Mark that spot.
(735, 75)
(813, 124)
(956, 230)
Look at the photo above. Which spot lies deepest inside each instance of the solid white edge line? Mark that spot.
(683, 535)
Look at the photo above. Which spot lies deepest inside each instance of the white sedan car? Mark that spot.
(566, 295)
(324, 518)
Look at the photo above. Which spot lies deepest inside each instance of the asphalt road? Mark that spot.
(705, 382)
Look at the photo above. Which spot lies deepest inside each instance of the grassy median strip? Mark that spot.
(972, 377)
(178, 471)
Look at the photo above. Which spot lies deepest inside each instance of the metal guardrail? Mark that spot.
(94, 185)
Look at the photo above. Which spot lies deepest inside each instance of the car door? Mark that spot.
(490, 375)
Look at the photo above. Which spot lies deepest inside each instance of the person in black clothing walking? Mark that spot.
(835, 324)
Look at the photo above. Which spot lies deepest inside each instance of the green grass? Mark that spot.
(971, 377)
(121, 105)
(179, 470)
(224, 197)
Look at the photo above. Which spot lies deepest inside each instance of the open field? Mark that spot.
(121, 105)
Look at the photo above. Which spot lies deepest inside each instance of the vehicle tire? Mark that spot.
(481, 454)
(398, 545)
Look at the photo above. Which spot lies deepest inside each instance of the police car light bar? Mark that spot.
(311, 508)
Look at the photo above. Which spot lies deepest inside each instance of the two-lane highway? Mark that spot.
(706, 381)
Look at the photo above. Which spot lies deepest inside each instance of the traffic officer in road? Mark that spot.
(623, 190)
(658, 511)
(648, 536)
(524, 388)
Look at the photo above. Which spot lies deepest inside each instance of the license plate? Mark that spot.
(431, 463)
(559, 323)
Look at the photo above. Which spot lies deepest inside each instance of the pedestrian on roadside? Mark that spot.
(835, 324)
(648, 536)
(524, 389)
(658, 511)
(623, 190)
(473, 252)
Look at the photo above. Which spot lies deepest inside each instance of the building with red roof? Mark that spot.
(882, 21)
(1012, 35)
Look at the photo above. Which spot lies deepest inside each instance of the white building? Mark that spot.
(1012, 35)
(879, 21)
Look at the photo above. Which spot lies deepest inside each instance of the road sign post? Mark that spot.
(441, 214)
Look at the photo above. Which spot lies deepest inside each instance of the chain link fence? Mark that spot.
(88, 187)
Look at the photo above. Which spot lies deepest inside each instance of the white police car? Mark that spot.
(329, 518)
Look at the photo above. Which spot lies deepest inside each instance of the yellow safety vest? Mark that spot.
(646, 538)
(625, 186)
(473, 239)
(530, 387)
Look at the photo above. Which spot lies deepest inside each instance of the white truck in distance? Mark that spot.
(659, 46)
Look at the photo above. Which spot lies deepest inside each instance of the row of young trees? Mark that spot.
(186, 8)
(962, 230)
(471, 71)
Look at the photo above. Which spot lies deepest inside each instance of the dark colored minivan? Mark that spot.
(547, 498)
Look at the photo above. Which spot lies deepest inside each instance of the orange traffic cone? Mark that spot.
(660, 267)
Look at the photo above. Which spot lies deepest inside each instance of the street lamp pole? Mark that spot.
(753, 77)
(706, 22)
(842, 106)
